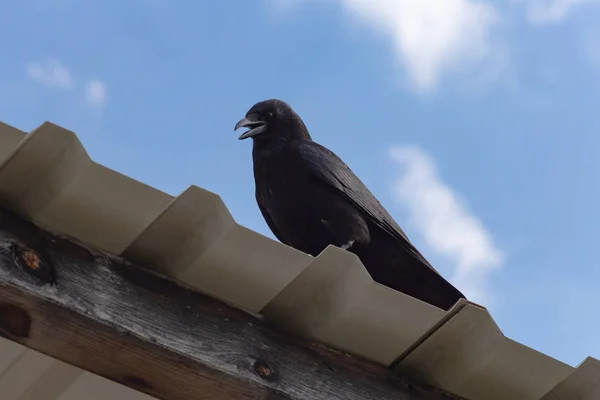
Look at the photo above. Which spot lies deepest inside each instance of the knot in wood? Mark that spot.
(14, 321)
(32, 260)
(32, 264)
(264, 370)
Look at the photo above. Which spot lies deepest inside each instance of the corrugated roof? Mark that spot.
(48, 176)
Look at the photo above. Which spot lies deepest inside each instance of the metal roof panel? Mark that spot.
(48, 176)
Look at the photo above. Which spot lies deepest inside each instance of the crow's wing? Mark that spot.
(332, 171)
(269, 220)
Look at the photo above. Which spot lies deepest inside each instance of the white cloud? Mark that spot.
(430, 37)
(445, 223)
(95, 93)
(552, 11)
(50, 73)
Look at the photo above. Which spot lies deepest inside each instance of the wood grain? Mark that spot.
(99, 312)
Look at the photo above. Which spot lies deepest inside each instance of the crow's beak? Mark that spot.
(256, 125)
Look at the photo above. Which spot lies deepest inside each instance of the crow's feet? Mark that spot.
(347, 245)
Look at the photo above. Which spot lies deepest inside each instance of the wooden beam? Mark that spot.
(98, 312)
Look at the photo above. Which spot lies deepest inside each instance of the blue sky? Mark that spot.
(475, 122)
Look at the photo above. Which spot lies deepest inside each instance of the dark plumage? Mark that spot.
(311, 199)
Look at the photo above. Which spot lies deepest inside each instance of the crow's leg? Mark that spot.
(347, 245)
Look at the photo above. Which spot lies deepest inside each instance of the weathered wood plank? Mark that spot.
(100, 313)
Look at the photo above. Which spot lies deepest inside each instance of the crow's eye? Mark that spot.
(269, 115)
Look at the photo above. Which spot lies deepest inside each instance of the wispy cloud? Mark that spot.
(95, 93)
(446, 224)
(50, 73)
(430, 37)
(53, 74)
(552, 11)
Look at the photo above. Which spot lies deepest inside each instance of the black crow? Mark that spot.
(311, 199)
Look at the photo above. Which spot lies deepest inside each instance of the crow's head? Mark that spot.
(272, 120)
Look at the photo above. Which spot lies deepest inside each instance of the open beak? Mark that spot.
(256, 125)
